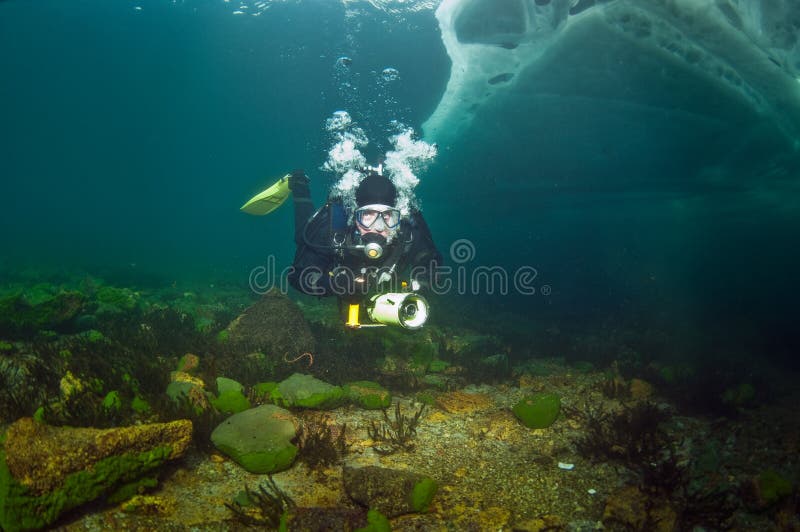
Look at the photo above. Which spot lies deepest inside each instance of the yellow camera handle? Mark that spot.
(352, 316)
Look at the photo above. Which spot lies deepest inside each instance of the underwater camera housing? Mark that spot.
(406, 309)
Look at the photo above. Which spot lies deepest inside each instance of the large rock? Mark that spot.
(368, 394)
(306, 391)
(45, 471)
(270, 331)
(538, 411)
(259, 439)
(392, 492)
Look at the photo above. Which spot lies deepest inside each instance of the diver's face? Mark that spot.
(363, 230)
(379, 219)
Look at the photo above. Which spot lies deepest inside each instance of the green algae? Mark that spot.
(422, 494)
(376, 522)
(119, 299)
(140, 406)
(438, 366)
(773, 486)
(538, 411)
(20, 509)
(38, 309)
(306, 391)
(263, 390)
(112, 401)
(231, 402)
(368, 394)
(94, 336)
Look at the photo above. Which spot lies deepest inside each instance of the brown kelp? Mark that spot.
(395, 434)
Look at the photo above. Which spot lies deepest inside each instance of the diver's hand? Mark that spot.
(298, 183)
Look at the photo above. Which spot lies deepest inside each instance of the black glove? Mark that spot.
(298, 183)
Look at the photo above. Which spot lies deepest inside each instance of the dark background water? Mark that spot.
(130, 139)
(133, 137)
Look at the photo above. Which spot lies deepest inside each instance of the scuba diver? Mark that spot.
(371, 256)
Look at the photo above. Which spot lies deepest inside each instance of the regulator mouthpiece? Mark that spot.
(373, 245)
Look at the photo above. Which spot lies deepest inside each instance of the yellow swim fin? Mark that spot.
(270, 199)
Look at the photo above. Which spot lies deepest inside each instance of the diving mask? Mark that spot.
(378, 217)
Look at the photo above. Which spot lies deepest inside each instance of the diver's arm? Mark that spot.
(314, 258)
(303, 206)
(310, 272)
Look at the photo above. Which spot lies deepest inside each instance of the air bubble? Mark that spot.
(390, 74)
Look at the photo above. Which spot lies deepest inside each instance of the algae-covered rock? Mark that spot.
(189, 397)
(438, 366)
(231, 398)
(390, 491)
(115, 300)
(629, 507)
(773, 486)
(306, 391)
(273, 326)
(368, 394)
(188, 363)
(376, 522)
(140, 405)
(538, 411)
(437, 381)
(24, 313)
(231, 402)
(178, 391)
(112, 402)
(45, 471)
(148, 505)
(262, 391)
(94, 336)
(417, 350)
(228, 385)
(259, 439)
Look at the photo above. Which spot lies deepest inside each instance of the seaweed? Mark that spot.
(161, 330)
(25, 382)
(265, 506)
(615, 387)
(635, 438)
(321, 444)
(665, 475)
(397, 434)
(631, 435)
(100, 366)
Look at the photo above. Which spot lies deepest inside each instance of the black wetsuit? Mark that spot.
(326, 262)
